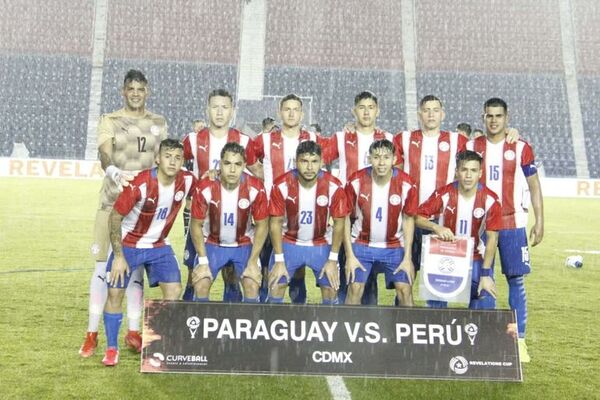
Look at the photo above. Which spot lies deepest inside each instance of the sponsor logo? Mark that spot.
(322, 200)
(292, 199)
(451, 209)
(193, 323)
(471, 331)
(151, 200)
(509, 155)
(276, 145)
(395, 200)
(365, 196)
(155, 130)
(179, 195)
(203, 148)
(216, 203)
(415, 143)
(243, 203)
(186, 255)
(337, 357)
(459, 365)
(444, 146)
(478, 212)
(156, 360)
(353, 144)
(446, 265)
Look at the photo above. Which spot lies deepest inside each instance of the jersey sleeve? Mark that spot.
(187, 147)
(528, 161)
(258, 148)
(199, 203)
(105, 130)
(399, 150)
(328, 148)
(126, 201)
(432, 206)
(277, 203)
(462, 143)
(249, 151)
(411, 204)
(351, 197)
(339, 207)
(260, 207)
(493, 218)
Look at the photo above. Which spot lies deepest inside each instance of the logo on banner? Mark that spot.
(471, 331)
(156, 360)
(193, 323)
(459, 365)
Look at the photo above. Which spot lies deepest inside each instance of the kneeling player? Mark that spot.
(139, 224)
(226, 204)
(383, 203)
(302, 201)
(467, 208)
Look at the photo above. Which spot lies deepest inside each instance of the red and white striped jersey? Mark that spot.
(278, 152)
(352, 149)
(430, 161)
(506, 168)
(227, 213)
(306, 212)
(465, 216)
(150, 208)
(205, 149)
(378, 210)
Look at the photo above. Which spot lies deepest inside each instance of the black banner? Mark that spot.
(324, 340)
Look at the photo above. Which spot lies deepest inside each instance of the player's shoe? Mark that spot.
(88, 348)
(133, 340)
(111, 357)
(523, 353)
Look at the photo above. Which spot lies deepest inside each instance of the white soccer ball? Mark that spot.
(574, 261)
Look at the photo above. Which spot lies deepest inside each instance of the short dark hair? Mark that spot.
(308, 147)
(467, 155)
(365, 95)
(221, 93)
(267, 121)
(495, 102)
(463, 126)
(235, 148)
(290, 96)
(477, 131)
(382, 144)
(430, 97)
(134, 75)
(170, 144)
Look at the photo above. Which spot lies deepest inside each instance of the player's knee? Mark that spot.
(114, 299)
(250, 287)
(404, 293)
(171, 291)
(328, 292)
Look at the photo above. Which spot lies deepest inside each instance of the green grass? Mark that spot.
(45, 267)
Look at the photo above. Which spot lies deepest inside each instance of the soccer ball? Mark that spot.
(574, 261)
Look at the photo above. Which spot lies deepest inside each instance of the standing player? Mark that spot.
(203, 148)
(507, 169)
(276, 149)
(383, 203)
(351, 147)
(128, 141)
(139, 224)
(468, 208)
(302, 201)
(227, 204)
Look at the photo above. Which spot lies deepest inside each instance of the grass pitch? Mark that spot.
(45, 267)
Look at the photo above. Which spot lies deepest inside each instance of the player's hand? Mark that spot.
(200, 271)
(212, 174)
(487, 283)
(536, 234)
(279, 270)
(512, 135)
(407, 266)
(252, 271)
(332, 272)
(118, 271)
(119, 177)
(352, 264)
(444, 233)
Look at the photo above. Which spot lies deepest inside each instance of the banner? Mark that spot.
(44, 168)
(446, 269)
(387, 342)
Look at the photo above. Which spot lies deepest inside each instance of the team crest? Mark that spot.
(478, 212)
(509, 155)
(243, 203)
(179, 195)
(155, 130)
(395, 200)
(444, 146)
(322, 200)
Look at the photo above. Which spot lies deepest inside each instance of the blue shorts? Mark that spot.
(220, 257)
(297, 257)
(189, 253)
(160, 263)
(379, 260)
(514, 252)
